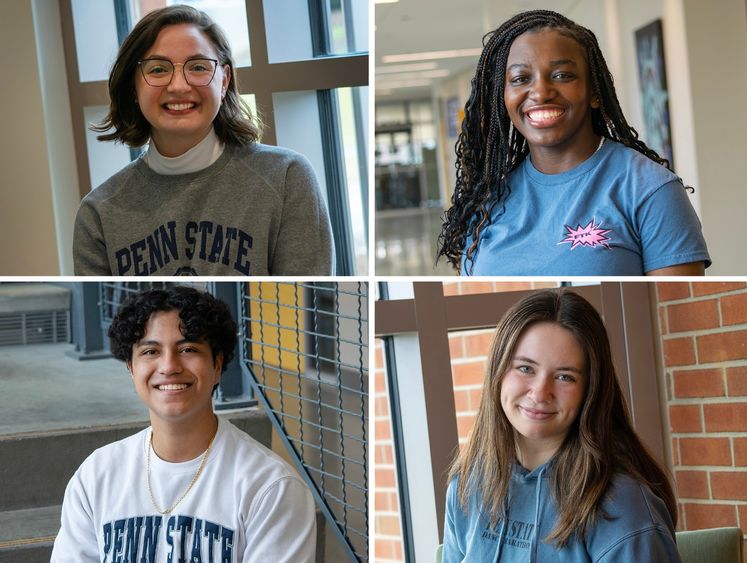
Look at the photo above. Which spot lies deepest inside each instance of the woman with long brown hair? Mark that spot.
(553, 470)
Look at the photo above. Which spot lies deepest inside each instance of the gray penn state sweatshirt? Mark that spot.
(256, 211)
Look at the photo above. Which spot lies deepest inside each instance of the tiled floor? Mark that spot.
(406, 243)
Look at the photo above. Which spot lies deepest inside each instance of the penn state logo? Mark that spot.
(186, 271)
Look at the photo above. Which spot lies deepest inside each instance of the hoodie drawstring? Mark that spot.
(502, 533)
(533, 558)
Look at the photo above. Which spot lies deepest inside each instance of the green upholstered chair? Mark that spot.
(709, 546)
(717, 545)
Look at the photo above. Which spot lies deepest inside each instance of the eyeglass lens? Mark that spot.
(197, 72)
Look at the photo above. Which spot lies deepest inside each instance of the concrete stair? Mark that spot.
(36, 467)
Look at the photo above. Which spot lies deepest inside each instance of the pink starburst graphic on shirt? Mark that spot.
(590, 235)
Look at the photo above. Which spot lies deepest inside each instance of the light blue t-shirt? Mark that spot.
(616, 214)
(638, 527)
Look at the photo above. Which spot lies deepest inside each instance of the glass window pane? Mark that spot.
(283, 21)
(354, 124)
(289, 30)
(104, 159)
(348, 26)
(230, 15)
(95, 38)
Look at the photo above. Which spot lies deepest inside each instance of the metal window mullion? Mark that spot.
(400, 454)
(334, 170)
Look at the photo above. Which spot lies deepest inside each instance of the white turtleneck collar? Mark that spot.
(199, 157)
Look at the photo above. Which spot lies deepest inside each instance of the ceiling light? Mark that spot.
(429, 55)
(406, 68)
(423, 74)
(385, 1)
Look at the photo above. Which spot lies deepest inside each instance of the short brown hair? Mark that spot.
(234, 123)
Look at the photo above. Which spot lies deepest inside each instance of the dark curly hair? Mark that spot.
(234, 123)
(203, 319)
(489, 149)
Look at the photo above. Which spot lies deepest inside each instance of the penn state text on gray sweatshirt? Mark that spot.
(255, 211)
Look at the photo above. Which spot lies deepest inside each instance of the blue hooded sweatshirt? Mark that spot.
(638, 529)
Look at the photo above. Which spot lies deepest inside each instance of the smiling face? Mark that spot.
(543, 388)
(173, 376)
(548, 96)
(181, 115)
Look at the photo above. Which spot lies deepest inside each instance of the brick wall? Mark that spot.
(703, 329)
(703, 341)
(387, 534)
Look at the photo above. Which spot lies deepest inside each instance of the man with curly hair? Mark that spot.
(192, 487)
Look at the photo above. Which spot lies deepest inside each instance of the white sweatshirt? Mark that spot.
(247, 506)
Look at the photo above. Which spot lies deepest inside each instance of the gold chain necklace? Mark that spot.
(191, 483)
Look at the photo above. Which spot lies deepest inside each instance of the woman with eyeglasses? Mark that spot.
(205, 198)
(553, 469)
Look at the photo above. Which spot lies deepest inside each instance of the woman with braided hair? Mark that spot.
(551, 178)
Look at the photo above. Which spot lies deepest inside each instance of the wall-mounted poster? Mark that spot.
(654, 95)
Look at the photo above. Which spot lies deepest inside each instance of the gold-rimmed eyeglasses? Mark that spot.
(160, 72)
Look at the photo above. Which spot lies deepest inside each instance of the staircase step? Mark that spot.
(27, 535)
(30, 297)
(37, 466)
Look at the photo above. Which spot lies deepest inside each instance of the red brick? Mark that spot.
(477, 344)
(472, 373)
(742, 509)
(387, 525)
(383, 454)
(675, 451)
(470, 288)
(379, 382)
(725, 417)
(475, 395)
(663, 321)
(381, 406)
(667, 291)
(722, 346)
(515, 286)
(698, 383)
(709, 288)
(734, 309)
(705, 451)
(382, 431)
(740, 452)
(695, 315)
(736, 381)
(385, 477)
(461, 400)
(701, 516)
(456, 346)
(679, 352)
(729, 485)
(379, 357)
(451, 287)
(692, 484)
(464, 425)
(383, 549)
(685, 418)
